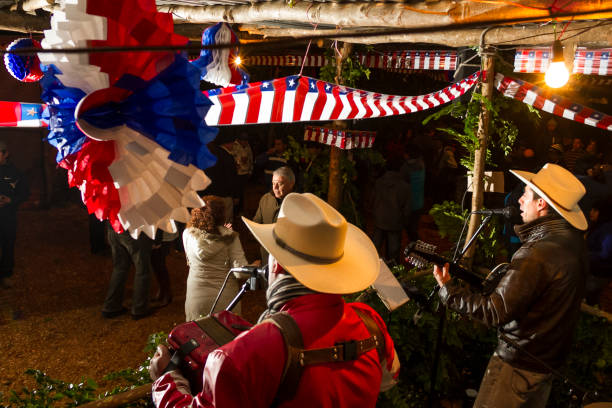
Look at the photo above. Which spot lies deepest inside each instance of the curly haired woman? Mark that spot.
(211, 250)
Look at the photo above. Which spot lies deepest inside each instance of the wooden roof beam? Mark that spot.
(592, 34)
(377, 14)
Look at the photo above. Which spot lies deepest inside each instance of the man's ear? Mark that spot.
(542, 205)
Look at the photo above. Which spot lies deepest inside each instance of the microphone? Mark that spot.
(251, 271)
(507, 212)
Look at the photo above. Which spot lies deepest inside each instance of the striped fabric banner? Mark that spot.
(303, 99)
(19, 114)
(547, 101)
(429, 60)
(432, 60)
(344, 139)
(285, 60)
(532, 60)
(592, 62)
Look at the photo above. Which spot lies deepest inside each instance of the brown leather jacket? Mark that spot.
(537, 302)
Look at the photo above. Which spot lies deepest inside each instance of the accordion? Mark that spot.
(191, 342)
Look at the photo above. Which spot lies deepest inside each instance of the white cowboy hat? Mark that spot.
(560, 189)
(314, 243)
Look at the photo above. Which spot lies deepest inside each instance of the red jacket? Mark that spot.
(247, 371)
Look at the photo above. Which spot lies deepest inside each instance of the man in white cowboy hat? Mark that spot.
(536, 304)
(315, 256)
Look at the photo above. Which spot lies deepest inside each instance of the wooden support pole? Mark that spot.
(334, 192)
(481, 153)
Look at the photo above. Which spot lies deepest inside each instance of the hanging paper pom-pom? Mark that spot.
(25, 68)
(219, 66)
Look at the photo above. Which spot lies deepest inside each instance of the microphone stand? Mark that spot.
(252, 283)
(433, 376)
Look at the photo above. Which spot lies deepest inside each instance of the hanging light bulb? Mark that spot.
(557, 74)
(238, 60)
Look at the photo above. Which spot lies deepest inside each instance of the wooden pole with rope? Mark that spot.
(488, 73)
(334, 191)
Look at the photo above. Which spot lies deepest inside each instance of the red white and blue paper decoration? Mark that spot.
(128, 126)
(25, 68)
(593, 62)
(547, 101)
(218, 66)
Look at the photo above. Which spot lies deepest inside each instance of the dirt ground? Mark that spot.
(50, 319)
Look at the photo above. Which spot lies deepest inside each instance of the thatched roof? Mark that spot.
(453, 23)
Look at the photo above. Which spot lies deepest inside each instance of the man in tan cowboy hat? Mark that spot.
(346, 356)
(536, 304)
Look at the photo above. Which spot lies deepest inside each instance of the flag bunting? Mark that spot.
(344, 139)
(547, 101)
(20, 114)
(430, 60)
(303, 99)
(592, 62)
(532, 60)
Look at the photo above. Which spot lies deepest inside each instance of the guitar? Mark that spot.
(420, 255)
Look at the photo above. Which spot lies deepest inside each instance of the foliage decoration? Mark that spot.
(312, 163)
(57, 393)
(502, 132)
(352, 69)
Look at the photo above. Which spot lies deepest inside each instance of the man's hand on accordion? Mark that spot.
(159, 362)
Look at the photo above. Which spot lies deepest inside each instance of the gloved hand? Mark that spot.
(159, 362)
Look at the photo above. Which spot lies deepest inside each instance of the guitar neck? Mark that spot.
(455, 269)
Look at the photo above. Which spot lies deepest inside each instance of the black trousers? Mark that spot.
(8, 234)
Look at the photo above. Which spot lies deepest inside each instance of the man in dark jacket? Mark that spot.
(536, 304)
(13, 191)
(391, 210)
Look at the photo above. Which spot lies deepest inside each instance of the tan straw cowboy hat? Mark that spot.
(560, 189)
(314, 243)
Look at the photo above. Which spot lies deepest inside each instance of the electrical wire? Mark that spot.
(283, 43)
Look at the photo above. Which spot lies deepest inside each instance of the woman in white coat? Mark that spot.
(211, 250)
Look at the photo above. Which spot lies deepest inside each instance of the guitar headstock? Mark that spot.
(414, 253)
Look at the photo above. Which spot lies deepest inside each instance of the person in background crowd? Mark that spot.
(446, 170)
(391, 210)
(211, 249)
(315, 257)
(598, 184)
(599, 243)
(536, 304)
(555, 155)
(283, 182)
(97, 236)
(125, 251)
(14, 190)
(243, 156)
(413, 171)
(223, 176)
(164, 242)
(574, 154)
(272, 159)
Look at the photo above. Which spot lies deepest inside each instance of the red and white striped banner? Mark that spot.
(433, 60)
(430, 60)
(593, 62)
(532, 59)
(344, 139)
(303, 99)
(285, 60)
(545, 100)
